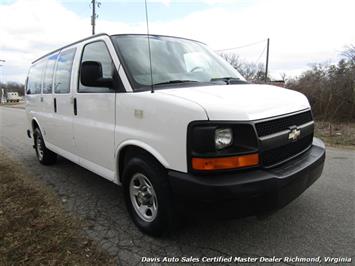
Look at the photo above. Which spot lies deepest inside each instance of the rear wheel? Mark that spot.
(44, 155)
(147, 195)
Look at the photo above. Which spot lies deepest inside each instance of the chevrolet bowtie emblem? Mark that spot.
(294, 134)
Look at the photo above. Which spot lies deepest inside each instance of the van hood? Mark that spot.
(242, 102)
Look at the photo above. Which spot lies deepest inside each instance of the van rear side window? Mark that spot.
(34, 84)
(48, 76)
(63, 71)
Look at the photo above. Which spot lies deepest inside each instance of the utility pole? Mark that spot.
(1, 61)
(2, 100)
(267, 59)
(94, 16)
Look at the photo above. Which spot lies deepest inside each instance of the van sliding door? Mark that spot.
(47, 99)
(60, 127)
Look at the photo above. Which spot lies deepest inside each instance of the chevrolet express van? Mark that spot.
(182, 128)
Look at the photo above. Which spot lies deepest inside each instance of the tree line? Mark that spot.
(330, 88)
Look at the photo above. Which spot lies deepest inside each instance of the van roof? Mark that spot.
(105, 34)
(61, 48)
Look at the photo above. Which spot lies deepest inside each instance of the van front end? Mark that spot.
(264, 165)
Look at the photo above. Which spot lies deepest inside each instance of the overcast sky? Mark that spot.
(300, 31)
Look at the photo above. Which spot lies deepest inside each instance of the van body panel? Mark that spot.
(66, 154)
(88, 137)
(97, 169)
(156, 125)
(93, 128)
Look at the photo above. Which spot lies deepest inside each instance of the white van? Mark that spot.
(182, 128)
(13, 97)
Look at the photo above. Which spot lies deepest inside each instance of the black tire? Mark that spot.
(165, 219)
(44, 155)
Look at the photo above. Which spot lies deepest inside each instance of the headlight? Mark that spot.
(223, 138)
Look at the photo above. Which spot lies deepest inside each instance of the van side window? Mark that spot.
(34, 84)
(98, 52)
(48, 75)
(63, 71)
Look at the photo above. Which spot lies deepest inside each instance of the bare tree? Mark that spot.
(283, 76)
(232, 59)
(330, 88)
(349, 53)
(250, 71)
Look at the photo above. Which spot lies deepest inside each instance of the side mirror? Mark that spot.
(91, 75)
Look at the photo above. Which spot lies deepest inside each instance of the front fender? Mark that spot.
(140, 144)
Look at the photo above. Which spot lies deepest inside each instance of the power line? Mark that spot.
(239, 47)
(262, 52)
(2, 98)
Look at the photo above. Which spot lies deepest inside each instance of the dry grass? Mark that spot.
(34, 227)
(336, 134)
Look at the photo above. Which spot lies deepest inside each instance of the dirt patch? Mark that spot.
(34, 227)
(336, 134)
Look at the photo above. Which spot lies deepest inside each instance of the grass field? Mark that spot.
(34, 227)
(336, 134)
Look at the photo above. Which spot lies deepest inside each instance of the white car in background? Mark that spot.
(179, 130)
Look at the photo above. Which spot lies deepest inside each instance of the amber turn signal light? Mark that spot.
(225, 162)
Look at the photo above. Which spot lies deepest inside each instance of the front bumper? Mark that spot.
(251, 192)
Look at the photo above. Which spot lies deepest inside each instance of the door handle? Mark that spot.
(75, 107)
(55, 104)
(41, 99)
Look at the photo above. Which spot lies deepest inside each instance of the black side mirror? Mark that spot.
(91, 75)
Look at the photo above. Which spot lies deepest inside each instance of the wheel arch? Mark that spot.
(35, 124)
(135, 146)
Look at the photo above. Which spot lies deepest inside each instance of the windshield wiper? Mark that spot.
(229, 80)
(176, 81)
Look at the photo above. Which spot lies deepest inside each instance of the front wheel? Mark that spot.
(147, 195)
(44, 155)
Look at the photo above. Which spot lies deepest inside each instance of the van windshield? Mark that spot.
(175, 61)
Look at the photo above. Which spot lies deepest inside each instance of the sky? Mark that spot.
(301, 32)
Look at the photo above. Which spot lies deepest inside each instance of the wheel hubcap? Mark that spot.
(143, 197)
